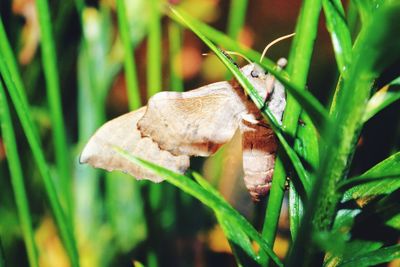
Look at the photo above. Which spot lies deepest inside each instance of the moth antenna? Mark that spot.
(274, 42)
(240, 55)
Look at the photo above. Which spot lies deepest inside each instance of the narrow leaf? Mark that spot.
(379, 256)
(311, 105)
(383, 178)
(340, 34)
(129, 59)
(209, 199)
(17, 179)
(380, 100)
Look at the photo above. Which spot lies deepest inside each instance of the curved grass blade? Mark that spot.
(340, 34)
(207, 197)
(379, 256)
(17, 179)
(238, 241)
(254, 96)
(311, 105)
(380, 179)
(380, 100)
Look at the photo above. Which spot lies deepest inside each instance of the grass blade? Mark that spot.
(154, 60)
(13, 81)
(310, 104)
(130, 65)
(54, 100)
(236, 17)
(17, 179)
(380, 100)
(380, 179)
(375, 257)
(175, 61)
(205, 196)
(340, 34)
(299, 64)
(347, 111)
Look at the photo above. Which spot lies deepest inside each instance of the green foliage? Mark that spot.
(101, 218)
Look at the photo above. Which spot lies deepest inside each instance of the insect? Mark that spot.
(174, 126)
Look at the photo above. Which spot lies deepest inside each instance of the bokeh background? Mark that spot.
(118, 220)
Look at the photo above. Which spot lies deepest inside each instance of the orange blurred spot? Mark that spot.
(246, 37)
(217, 241)
(281, 246)
(2, 150)
(187, 63)
(51, 250)
(30, 31)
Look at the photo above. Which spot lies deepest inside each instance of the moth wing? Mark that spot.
(259, 149)
(196, 122)
(122, 132)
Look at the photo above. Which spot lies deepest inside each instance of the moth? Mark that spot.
(175, 126)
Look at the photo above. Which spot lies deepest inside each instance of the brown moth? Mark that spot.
(176, 125)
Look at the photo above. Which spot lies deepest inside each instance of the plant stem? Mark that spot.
(347, 111)
(17, 179)
(175, 65)
(130, 65)
(53, 97)
(299, 64)
(236, 17)
(154, 60)
(13, 81)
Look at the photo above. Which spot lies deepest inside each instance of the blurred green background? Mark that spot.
(116, 219)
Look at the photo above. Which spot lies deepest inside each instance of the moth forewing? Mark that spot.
(196, 122)
(122, 132)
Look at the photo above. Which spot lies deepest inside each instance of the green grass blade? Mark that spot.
(237, 238)
(347, 111)
(207, 197)
(376, 257)
(298, 67)
(154, 60)
(175, 61)
(130, 65)
(380, 100)
(239, 242)
(340, 33)
(16, 90)
(53, 96)
(254, 96)
(310, 104)
(236, 17)
(380, 179)
(17, 179)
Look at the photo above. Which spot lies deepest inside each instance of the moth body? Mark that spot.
(175, 126)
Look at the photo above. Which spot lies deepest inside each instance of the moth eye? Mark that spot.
(266, 73)
(254, 74)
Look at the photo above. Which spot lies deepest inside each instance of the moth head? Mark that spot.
(258, 78)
